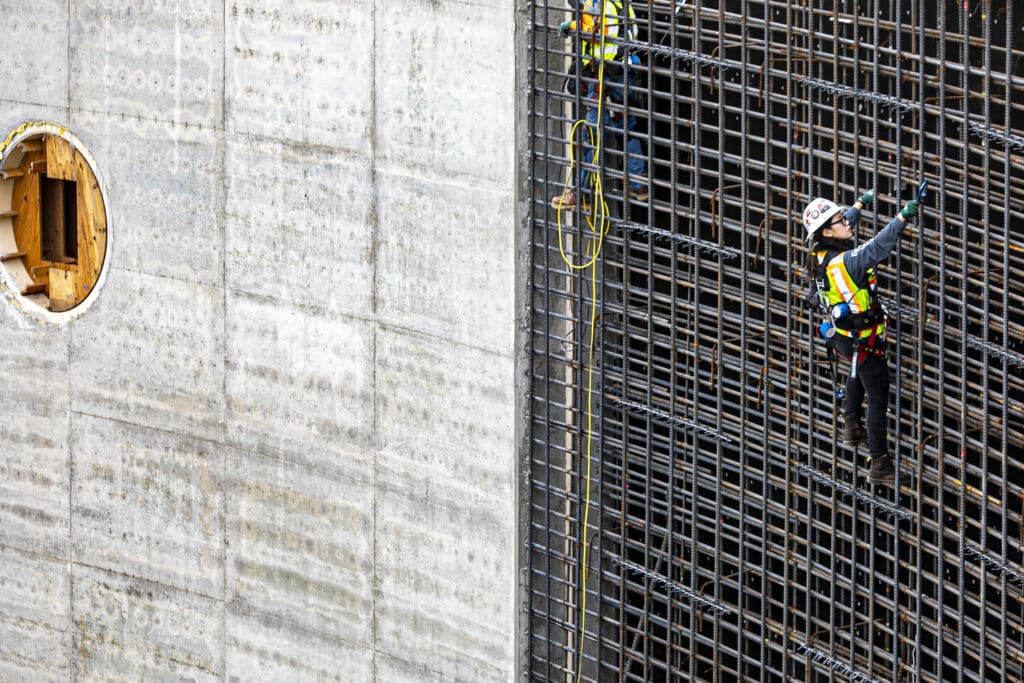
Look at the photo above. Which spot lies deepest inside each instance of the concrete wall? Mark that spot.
(281, 444)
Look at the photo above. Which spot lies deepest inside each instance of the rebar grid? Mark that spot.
(731, 537)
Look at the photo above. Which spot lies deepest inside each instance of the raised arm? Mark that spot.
(878, 248)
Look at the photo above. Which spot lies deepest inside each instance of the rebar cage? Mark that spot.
(730, 535)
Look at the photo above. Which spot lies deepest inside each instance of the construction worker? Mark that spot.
(844, 279)
(615, 24)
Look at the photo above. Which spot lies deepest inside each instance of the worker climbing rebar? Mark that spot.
(843, 282)
(613, 19)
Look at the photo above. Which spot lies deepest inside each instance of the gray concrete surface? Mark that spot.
(281, 444)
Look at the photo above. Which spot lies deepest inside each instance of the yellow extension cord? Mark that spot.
(597, 221)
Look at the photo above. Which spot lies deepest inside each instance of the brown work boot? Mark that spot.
(854, 433)
(882, 470)
(566, 200)
(640, 194)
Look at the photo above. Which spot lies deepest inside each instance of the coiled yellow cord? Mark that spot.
(597, 221)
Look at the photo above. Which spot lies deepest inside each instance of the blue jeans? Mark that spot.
(615, 126)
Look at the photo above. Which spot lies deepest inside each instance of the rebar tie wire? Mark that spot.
(671, 587)
(885, 509)
(993, 350)
(665, 235)
(665, 418)
(833, 663)
(1012, 576)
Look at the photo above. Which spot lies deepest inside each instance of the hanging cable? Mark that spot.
(597, 222)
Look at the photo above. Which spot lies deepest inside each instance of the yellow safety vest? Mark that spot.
(843, 289)
(612, 20)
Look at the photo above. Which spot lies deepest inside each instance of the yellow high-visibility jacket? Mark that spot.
(591, 26)
(866, 315)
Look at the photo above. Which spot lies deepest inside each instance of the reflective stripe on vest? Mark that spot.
(612, 14)
(843, 289)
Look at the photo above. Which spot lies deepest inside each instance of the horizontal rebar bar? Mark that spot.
(669, 52)
(993, 350)
(664, 418)
(1010, 141)
(1012, 575)
(832, 663)
(670, 587)
(887, 510)
(659, 234)
(848, 92)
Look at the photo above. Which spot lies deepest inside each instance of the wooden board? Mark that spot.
(62, 289)
(60, 158)
(25, 200)
(92, 229)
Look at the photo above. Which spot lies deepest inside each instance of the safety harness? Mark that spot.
(839, 319)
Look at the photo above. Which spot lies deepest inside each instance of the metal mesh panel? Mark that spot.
(730, 536)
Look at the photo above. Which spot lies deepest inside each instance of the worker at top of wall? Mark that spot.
(618, 22)
(844, 277)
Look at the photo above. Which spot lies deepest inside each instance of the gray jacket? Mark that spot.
(868, 255)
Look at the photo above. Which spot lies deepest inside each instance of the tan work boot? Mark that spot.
(640, 194)
(566, 200)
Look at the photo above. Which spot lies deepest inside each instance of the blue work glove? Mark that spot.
(563, 29)
(867, 197)
(909, 209)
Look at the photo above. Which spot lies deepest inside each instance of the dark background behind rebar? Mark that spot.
(731, 537)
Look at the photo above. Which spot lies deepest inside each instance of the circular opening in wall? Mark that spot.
(53, 223)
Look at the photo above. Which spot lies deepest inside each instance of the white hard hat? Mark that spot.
(818, 213)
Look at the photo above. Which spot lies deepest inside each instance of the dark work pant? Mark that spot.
(872, 380)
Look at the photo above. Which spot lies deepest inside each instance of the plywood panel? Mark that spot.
(60, 158)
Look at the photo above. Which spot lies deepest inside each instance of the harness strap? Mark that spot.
(838, 390)
(862, 351)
